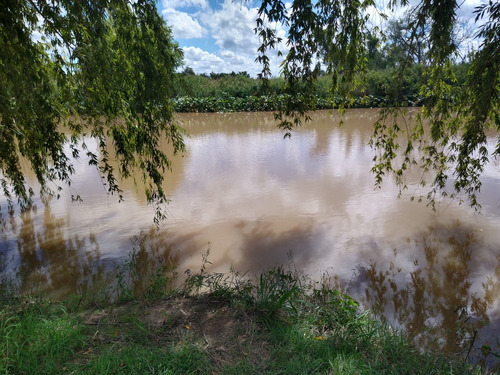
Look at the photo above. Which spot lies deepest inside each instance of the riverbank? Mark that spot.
(276, 102)
(280, 323)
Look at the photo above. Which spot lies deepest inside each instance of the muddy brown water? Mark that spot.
(256, 200)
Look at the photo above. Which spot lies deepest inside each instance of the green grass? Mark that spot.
(279, 323)
(143, 359)
(37, 336)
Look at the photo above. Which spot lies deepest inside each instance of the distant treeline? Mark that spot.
(395, 76)
(233, 92)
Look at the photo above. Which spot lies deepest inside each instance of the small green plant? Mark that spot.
(275, 289)
(125, 273)
(217, 284)
(335, 307)
(240, 288)
(195, 283)
(161, 282)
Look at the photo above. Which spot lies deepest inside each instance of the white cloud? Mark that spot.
(183, 25)
(203, 4)
(466, 10)
(202, 61)
(232, 30)
(236, 60)
(205, 62)
(232, 27)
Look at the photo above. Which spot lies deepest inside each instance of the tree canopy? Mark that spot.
(74, 70)
(448, 141)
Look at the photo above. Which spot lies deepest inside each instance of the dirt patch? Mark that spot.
(223, 331)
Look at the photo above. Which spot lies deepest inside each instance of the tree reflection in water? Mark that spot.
(433, 299)
(49, 259)
(151, 267)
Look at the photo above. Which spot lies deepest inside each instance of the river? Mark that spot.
(256, 200)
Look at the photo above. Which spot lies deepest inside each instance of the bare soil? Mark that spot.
(223, 331)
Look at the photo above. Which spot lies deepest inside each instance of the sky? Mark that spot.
(218, 35)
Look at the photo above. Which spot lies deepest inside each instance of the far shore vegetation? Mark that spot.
(238, 92)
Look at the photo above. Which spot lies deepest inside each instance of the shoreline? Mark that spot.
(281, 322)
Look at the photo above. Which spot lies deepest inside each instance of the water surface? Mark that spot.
(254, 198)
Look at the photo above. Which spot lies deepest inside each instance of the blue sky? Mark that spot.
(217, 35)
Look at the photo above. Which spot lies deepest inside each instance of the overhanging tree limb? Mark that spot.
(113, 84)
(453, 144)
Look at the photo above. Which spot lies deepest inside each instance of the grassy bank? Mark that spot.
(279, 323)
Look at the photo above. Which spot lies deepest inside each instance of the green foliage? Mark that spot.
(276, 290)
(73, 70)
(198, 86)
(337, 308)
(276, 102)
(36, 329)
(414, 58)
(196, 282)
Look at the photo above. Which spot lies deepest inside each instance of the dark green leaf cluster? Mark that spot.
(75, 71)
(229, 104)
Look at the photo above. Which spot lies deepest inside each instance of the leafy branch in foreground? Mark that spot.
(71, 71)
(448, 139)
(330, 31)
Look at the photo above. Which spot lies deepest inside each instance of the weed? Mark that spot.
(148, 272)
(125, 273)
(196, 282)
(276, 288)
(161, 283)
